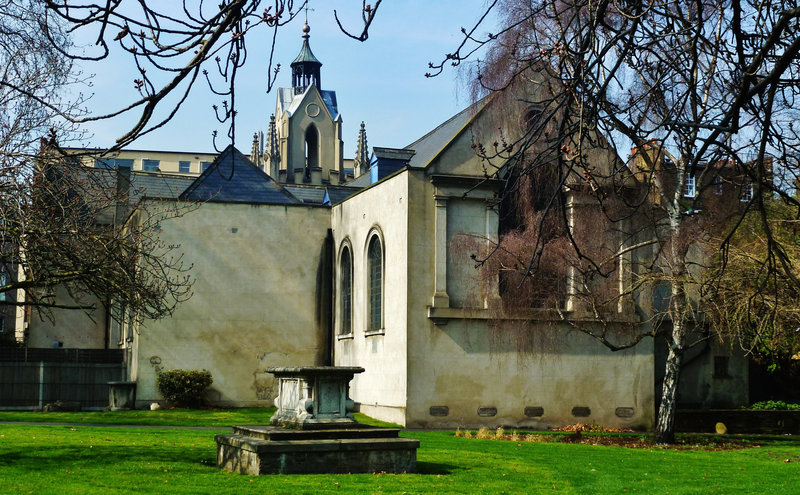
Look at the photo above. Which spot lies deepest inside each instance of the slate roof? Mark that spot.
(429, 145)
(321, 195)
(307, 194)
(233, 178)
(162, 186)
(103, 184)
(361, 181)
(337, 194)
(286, 96)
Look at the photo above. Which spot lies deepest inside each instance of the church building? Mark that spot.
(303, 257)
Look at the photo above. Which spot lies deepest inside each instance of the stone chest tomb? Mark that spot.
(313, 431)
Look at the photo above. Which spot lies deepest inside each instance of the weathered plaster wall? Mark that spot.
(704, 384)
(257, 303)
(462, 371)
(293, 131)
(477, 369)
(381, 389)
(72, 328)
(466, 233)
(460, 158)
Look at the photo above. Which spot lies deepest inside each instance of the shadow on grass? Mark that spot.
(42, 458)
(435, 468)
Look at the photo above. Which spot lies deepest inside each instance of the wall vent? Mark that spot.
(581, 411)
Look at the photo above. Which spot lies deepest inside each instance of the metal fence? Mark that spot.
(32, 378)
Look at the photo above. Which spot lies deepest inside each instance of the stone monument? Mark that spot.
(313, 431)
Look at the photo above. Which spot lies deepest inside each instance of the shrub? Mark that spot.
(774, 405)
(184, 388)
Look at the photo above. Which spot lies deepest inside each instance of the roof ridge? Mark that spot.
(476, 105)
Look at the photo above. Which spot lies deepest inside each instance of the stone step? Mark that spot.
(254, 456)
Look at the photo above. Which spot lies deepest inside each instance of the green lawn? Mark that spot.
(81, 459)
(162, 417)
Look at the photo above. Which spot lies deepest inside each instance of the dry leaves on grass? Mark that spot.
(595, 428)
(599, 435)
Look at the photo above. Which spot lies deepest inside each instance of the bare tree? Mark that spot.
(703, 94)
(175, 44)
(66, 228)
(63, 226)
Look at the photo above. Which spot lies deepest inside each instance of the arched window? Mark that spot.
(311, 149)
(531, 118)
(345, 292)
(375, 284)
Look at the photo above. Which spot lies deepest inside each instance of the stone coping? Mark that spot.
(313, 423)
(315, 370)
(277, 433)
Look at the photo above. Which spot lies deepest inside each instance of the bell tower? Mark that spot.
(306, 67)
(306, 144)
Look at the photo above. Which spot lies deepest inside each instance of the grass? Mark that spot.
(81, 459)
(161, 417)
(165, 417)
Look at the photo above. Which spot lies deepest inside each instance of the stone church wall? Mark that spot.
(381, 389)
(468, 369)
(525, 377)
(258, 272)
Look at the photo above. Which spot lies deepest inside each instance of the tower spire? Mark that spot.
(361, 162)
(255, 151)
(272, 157)
(306, 67)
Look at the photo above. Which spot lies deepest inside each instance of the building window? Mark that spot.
(150, 165)
(718, 185)
(375, 284)
(746, 195)
(689, 187)
(531, 118)
(184, 167)
(662, 293)
(346, 293)
(204, 166)
(113, 163)
(3, 283)
(721, 366)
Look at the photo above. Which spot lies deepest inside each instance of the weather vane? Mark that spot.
(307, 8)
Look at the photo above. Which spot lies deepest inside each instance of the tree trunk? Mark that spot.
(665, 428)
(678, 309)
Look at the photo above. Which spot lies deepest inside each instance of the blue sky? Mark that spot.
(380, 81)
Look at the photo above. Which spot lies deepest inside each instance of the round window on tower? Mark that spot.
(312, 110)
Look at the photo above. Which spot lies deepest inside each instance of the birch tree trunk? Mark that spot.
(678, 308)
(665, 428)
